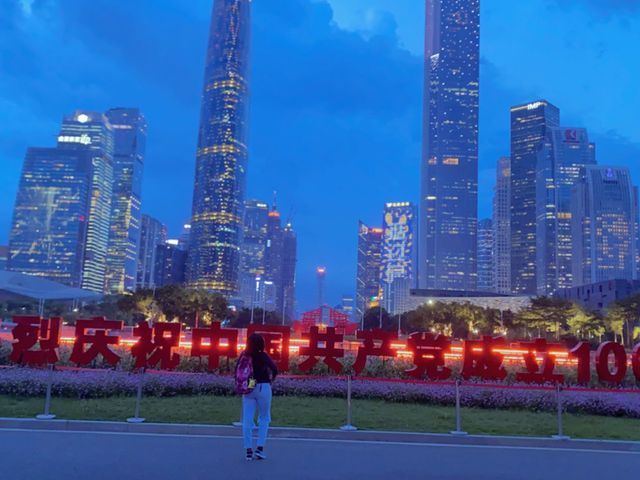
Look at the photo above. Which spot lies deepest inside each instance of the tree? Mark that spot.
(621, 318)
(585, 324)
(242, 319)
(372, 320)
(546, 314)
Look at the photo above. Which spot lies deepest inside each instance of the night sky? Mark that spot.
(336, 102)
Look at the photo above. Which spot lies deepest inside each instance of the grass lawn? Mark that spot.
(329, 413)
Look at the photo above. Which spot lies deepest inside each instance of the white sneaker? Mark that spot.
(259, 455)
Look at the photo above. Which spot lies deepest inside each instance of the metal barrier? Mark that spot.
(136, 415)
(458, 430)
(560, 435)
(348, 427)
(47, 415)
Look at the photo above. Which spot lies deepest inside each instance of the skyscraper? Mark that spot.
(502, 227)
(253, 247)
(170, 264)
(289, 262)
(221, 159)
(152, 234)
(273, 258)
(92, 132)
(562, 155)
(369, 267)
(449, 176)
(130, 133)
(604, 222)
(4, 257)
(398, 255)
(529, 125)
(486, 256)
(49, 226)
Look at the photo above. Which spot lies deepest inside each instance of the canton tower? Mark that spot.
(221, 158)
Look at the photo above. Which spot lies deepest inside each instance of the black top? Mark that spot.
(264, 370)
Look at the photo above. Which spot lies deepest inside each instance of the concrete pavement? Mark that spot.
(73, 455)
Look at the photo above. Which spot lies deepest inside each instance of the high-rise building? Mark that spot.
(254, 243)
(49, 226)
(273, 256)
(289, 261)
(4, 257)
(221, 160)
(369, 268)
(321, 274)
(449, 175)
(398, 255)
(486, 256)
(170, 264)
(92, 132)
(502, 227)
(563, 153)
(152, 233)
(129, 133)
(346, 305)
(604, 221)
(529, 126)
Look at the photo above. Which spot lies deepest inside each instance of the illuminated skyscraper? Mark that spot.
(254, 243)
(529, 127)
(92, 132)
(4, 256)
(221, 159)
(130, 133)
(398, 255)
(152, 234)
(486, 256)
(562, 155)
(289, 261)
(502, 227)
(449, 176)
(369, 268)
(604, 222)
(273, 255)
(49, 227)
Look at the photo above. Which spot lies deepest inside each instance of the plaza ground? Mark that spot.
(330, 413)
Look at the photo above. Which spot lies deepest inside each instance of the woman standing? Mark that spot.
(264, 372)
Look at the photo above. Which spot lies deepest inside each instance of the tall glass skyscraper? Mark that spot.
(502, 226)
(152, 233)
(529, 126)
(369, 267)
(254, 242)
(564, 152)
(48, 231)
(130, 133)
(92, 132)
(604, 220)
(449, 177)
(289, 262)
(221, 159)
(486, 256)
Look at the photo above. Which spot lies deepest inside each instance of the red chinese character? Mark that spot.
(582, 352)
(276, 342)
(540, 373)
(482, 360)
(428, 355)
(635, 361)
(99, 341)
(214, 348)
(155, 345)
(328, 351)
(32, 330)
(370, 349)
(605, 350)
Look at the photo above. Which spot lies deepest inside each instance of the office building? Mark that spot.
(562, 155)
(252, 254)
(368, 269)
(170, 264)
(129, 141)
(529, 126)
(152, 233)
(486, 256)
(273, 256)
(289, 262)
(604, 222)
(502, 227)
(221, 159)
(4, 256)
(398, 254)
(449, 173)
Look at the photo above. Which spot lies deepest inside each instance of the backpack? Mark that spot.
(245, 383)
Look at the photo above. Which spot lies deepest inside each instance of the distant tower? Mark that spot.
(321, 273)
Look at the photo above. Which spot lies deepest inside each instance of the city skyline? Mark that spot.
(339, 277)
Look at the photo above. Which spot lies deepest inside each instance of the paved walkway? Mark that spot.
(77, 455)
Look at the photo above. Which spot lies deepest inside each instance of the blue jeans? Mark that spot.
(260, 397)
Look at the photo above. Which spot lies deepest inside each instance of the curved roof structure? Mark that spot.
(40, 288)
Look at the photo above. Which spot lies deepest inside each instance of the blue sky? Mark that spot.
(336, 98)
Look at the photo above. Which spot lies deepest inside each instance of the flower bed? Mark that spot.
(18, 381)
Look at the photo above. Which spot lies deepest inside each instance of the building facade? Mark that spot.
(529, 126)
(502, 226)
(398, 254)
(289, 262)
(152, 233)
(486, 256)
(599, 296)
(449, 173)
(604, 222)
(4, 256)
(221, 159)
(170, 264)
(273, 257)
(252, 255)
(368, 269)
(564, 152)
(130, 134)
